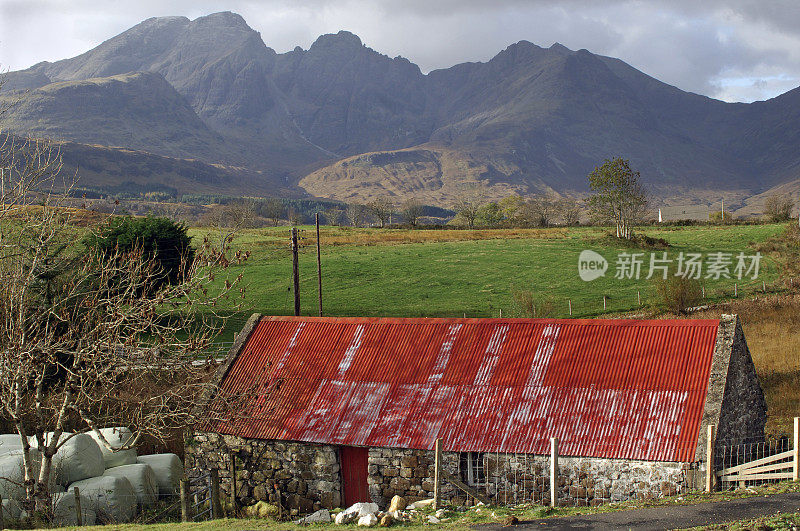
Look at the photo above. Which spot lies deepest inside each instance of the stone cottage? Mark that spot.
(341, 410)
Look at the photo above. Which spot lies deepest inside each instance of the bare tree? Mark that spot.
(228, 219)
(570, 212)
(86, 340)
(294, 215)
(778, 207)
(541, 210)
(356, 213)
(382, 208)
(618, 197)
(469, 201)
(411, 211)
(333, 215)
(273, 209)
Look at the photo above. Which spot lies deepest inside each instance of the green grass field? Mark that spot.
(452, 273)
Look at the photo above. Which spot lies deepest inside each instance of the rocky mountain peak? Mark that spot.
(343, 40)
(558, 47)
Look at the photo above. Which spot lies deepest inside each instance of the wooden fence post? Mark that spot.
(78, 513)
(553, 472)
(233, 481)
(710, 475)
(216, 505)
(796, 450)
(437, 475)
(184, 500)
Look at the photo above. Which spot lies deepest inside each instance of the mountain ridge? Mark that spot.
(325, 120)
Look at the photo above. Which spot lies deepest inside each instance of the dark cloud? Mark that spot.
(738, 50)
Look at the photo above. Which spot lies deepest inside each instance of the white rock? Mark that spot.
(320, 517)
(420, 504)
(440, 513)
(345, 518)
(433, 520)
(368, 520)
(362, 508)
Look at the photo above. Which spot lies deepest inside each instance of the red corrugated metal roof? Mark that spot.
(606, 388)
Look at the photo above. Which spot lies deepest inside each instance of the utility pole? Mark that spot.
(295, 272)
(319, 267)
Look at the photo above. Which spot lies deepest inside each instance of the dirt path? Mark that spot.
(672, 517)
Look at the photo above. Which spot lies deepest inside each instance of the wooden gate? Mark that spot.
(781, 465)
(354, 461)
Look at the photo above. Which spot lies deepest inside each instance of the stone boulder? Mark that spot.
(345, 518)
(420, 504)
(320, 517)
(368, 520)
(362, 508)
(262, 509)
(398, 503)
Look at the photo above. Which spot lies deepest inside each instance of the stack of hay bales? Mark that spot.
(113, 485)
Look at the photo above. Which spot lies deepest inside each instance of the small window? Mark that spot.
(471, 467)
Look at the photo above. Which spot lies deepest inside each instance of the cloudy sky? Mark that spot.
(735, 50)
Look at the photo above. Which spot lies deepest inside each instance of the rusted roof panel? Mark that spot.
(606, 388)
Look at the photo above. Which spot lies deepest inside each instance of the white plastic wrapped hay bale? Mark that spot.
(11, 509)
(168, 469)
(48, 436)
(143, 480)
(112, 498)
(80, 458)
(10, 442)
(65, 511)
(12, 476)
(117, 438)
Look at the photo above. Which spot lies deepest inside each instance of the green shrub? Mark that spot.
(160, 239)
(678, 293)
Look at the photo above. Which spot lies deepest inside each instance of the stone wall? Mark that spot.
(744, 409)
(520, 478)
(306, 475)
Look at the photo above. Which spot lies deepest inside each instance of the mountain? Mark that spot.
(139, 111)
(342, 120)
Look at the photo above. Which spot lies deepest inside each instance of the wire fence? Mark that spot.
(516, 479)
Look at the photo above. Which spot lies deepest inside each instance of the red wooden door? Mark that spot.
(354, 474)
